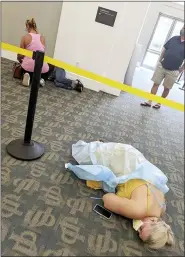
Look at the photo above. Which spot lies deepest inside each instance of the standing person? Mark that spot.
(169, 66)
(35, 42)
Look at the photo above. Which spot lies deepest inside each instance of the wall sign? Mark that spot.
(106, 16)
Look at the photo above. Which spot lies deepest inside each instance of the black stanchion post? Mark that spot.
(39, 58)
(28, 149)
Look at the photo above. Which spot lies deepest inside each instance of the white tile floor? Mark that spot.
(142, 80)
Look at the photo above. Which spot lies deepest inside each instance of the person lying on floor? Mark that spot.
(142, 202)
(139, 186)
(58, 75)
(35, 42)
(145, 204)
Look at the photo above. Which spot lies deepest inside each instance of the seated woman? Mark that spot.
(145, 204)
(35, 42)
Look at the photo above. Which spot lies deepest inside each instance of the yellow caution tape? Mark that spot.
(98, 78)
(16, 49)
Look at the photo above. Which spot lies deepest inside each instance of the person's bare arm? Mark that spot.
(165, 47)
(22, 45)
(125, 207)
(162, 55)
(42, 39)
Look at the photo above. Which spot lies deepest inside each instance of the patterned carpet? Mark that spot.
(46, 210)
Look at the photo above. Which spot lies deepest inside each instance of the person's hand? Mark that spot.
(20, 58)
(158, 64)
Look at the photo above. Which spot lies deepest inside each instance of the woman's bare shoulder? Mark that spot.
(42, 39)
(27, 39)
(27, 35)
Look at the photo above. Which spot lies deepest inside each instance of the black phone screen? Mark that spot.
(99, 209)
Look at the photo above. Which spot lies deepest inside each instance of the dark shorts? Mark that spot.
(43, 75)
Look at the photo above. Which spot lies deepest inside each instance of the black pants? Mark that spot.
(43, 75)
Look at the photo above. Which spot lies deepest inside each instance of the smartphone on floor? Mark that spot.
(102, 211)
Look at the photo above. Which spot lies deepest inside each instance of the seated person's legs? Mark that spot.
(26, 77)
(45, 76)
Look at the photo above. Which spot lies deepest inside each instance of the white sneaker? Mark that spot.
(26, 80)
(42, 82)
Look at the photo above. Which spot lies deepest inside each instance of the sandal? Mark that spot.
(145, 104)
(156, 106)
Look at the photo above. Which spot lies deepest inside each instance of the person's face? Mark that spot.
(145, 229)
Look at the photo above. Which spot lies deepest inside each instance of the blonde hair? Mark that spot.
(31, 24)
(161, 235)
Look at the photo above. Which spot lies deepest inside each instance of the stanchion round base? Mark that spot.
(25, 152)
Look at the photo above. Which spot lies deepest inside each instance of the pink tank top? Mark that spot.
(35, 45)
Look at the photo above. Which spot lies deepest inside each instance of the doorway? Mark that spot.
(166, 27)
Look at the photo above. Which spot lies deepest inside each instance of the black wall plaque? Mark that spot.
(106, 16)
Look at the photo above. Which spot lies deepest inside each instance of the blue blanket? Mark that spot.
(98, 172)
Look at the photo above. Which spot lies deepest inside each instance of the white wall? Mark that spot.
(46, 15)
(96, 47)
(9, 55)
